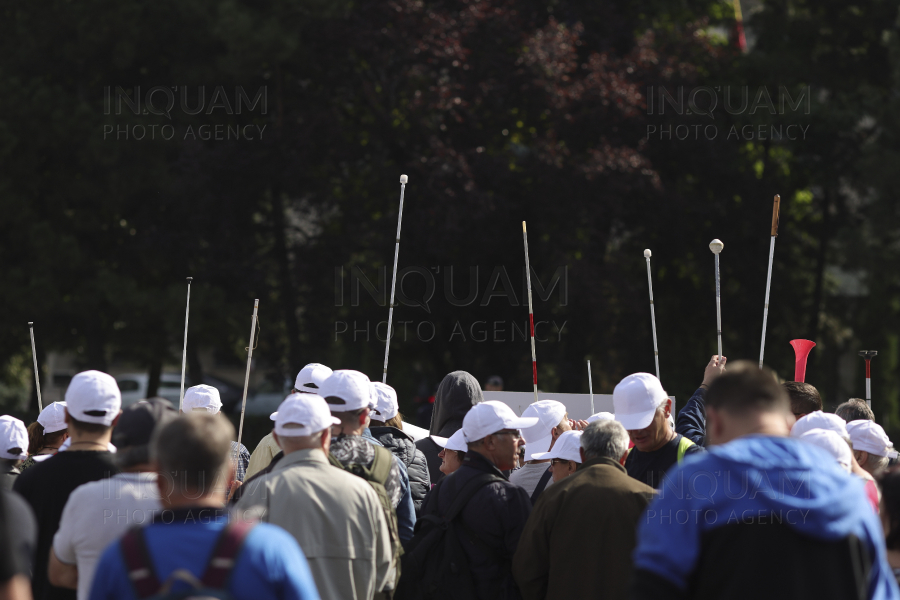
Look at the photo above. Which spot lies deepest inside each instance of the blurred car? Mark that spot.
(134, 387)
(268, 396)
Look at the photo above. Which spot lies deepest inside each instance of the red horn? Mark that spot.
(801, 350)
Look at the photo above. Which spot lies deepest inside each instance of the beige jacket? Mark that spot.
(336, 518)
(265, 451)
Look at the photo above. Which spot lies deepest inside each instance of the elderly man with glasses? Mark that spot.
(496, 512)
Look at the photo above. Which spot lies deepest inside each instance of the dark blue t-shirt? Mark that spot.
(270, 564)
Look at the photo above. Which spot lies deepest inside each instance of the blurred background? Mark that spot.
(256, 146)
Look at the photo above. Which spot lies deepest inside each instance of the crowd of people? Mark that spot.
(751, 491)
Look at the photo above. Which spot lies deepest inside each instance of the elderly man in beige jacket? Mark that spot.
(336, 517)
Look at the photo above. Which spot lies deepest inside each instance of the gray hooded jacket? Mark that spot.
(458, 393)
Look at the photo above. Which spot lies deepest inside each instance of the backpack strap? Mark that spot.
(541, 485)
(467, 492)
(683, 444)
(221, 562)
(382, 464)
(137, 559)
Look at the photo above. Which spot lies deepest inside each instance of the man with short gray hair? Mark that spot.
(600, 502)
(193, 536)
(855, 409)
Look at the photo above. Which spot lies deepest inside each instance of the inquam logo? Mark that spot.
(709, 101)
(163, 101)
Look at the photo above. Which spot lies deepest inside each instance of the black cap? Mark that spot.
(137, 422)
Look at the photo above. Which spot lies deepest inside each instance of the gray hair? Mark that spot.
(604, 439)
(876, 464)
(193, 450)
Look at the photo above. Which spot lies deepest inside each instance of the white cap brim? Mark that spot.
(274, 415)
(541, 446)
(636, 421)
(440, 441)
(522, 423)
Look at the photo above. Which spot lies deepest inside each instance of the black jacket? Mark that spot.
(404, 448)
(492, 523)
(456, 395)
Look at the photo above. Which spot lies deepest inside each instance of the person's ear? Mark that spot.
(275, 437)
(326, 441)
(364, 417)
(863, 458)
(116, 420)
(67, 418)
(668, 409)
(623, 458)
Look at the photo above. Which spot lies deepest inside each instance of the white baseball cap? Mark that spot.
(819, 420)
(13, 438)
(385, 400)
(831, 442)
(567, 447)
(346, 391)
(311, 377)
(636, 399)
(94, 397)
(201, 397)
(870, 437)
(601, 416)
(492, 416)
(303, 414)
(53, 417)
(549, 413)
(457, 441)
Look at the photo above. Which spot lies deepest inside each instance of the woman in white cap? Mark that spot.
(386, 426)
(453, 451)
(47, 434)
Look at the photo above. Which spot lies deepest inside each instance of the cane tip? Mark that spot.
(190, 278)
(523, 227)
(647, 253)
(716, 246)
(30, 323)
(404, 179)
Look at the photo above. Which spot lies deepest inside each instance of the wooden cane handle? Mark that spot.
(776, 207)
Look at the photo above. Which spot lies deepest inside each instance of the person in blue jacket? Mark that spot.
(691, 422)
(760, 515)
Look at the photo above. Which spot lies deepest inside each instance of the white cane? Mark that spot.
(37, 377)
(187, 313)
(530, 312)
(647, 255)
(775, 211)
(590, 386)
(247, 374)
(716, 246)
(387, 343)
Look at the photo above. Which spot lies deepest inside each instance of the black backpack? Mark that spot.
(435, 566)
(213, 584)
